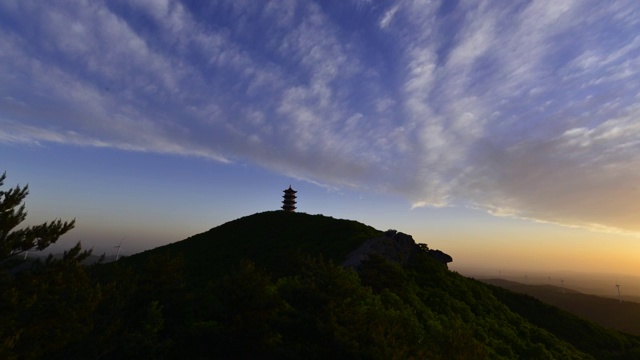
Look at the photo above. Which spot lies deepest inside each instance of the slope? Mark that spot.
(272, 240)
(607, 312)
(292, 300)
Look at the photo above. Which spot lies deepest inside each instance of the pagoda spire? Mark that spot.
(289, 202)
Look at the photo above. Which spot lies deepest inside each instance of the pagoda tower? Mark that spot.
(289, 202)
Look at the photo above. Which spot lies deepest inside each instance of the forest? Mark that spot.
(268, 286)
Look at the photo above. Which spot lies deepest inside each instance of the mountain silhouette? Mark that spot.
(292, 285)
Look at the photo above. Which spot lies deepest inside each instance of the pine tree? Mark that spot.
(13, 213)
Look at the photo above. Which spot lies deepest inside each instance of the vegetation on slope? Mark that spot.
(602, 343)
(270, 239)
(268, 286)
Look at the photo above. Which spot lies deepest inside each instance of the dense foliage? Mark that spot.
(270, 239)
(603, 343)
(259, 288)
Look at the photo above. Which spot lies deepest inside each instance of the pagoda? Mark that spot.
(289, 202)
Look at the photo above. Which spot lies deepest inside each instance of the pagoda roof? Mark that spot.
(290, 190)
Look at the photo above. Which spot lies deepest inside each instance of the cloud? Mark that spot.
(388, 17)
(526, 109)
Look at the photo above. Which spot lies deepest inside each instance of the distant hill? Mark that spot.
(607, 312)
(635, 299)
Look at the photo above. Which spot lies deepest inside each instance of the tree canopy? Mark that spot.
(12, 213)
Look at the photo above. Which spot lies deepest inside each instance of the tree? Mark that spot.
(47, 308)
(13, 213)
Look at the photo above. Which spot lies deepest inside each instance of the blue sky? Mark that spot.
(150, 121)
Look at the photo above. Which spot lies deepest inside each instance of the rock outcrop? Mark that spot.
(393, 246)
(440, 256)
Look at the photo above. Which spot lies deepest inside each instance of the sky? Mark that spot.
(505, 133)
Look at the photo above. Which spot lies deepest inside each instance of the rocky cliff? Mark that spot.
(394, 246)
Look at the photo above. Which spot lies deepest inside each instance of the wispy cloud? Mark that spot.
(526, 108)
(388, 17)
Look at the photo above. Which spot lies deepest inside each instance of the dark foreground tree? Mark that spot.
(12, 214)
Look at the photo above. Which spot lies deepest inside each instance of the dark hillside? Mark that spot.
(272, 240)
(583, 334)
(300, 299)
(272, 286)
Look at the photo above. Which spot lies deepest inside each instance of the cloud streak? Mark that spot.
(528, 109)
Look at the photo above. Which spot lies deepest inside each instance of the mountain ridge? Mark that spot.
(283, 273)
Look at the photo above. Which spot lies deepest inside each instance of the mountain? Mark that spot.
(278, 285)
(608, 312)
(288, 275)
(272, 240)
